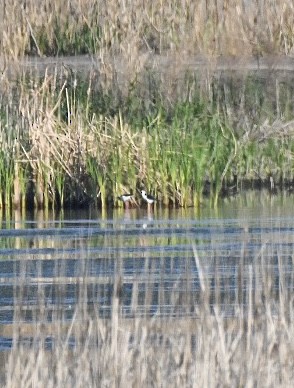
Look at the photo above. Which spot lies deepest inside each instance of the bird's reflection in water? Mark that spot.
(127, 215)
(144, 240)
(148, 220)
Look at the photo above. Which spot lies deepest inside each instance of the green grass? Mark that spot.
(76, 143)
(129, 126)
(65, 40)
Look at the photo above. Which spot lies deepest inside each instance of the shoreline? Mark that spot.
(75, 142)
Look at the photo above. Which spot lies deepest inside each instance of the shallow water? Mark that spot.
(155, 264)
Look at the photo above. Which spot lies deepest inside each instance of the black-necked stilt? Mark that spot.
(148, 198)
(125, 198)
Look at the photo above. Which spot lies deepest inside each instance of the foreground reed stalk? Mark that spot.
(209, 336)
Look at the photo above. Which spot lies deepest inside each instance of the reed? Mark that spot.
(204, 332)
(181, 135)
(209, 27)
(74, 148)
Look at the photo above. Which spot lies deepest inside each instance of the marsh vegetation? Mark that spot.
(137, 303)
(255, 347)
(213, 27)
(163, 302)
(71, 138)
(201, 302)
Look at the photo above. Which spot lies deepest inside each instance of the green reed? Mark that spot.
(65, 40)
(60, 187)
(99, 180)
(6, 179)
(77, 143)
(8, 157)
(21, 179)
(185, 151)
(212, 28)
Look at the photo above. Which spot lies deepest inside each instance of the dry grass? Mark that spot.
(58, 150)
(71, 139)
(196, 344)
(205, 352)
(210, 27)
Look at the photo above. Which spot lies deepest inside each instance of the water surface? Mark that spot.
(155, 264)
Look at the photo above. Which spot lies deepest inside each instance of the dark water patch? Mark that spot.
(5, 343)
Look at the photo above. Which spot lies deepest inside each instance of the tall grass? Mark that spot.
(208, 336)
(211, 27)
(73, 139)
(66, 141)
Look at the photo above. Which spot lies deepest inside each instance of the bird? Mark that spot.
(125, 198)
(148, 198)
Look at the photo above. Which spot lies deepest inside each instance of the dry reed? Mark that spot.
(77, 139)
(209, 336)
(209, 27)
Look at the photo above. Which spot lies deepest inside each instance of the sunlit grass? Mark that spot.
(54, 27)
(70, 139)
(211, 335)
(71, 143)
